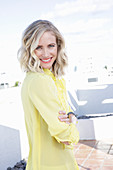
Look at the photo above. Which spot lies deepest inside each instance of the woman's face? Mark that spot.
(46, 50)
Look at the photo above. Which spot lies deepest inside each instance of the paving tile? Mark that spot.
(103, 146)
(76, 147)
(84, 168)
(97, 154)
(80, 161)
(100, 151)
(107, 168)
(93, 162)
(94, 155)
(108, 161)
(85, 147)
(90, 168)
(81, 155)
(83, 151)
(109, 156)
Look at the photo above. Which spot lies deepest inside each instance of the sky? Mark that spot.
(87, 26)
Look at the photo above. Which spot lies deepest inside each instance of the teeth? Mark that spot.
(47, 60)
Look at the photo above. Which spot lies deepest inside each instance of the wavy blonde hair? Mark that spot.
(26, 56)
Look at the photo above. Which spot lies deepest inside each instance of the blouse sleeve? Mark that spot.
(64, 84)
(43, 95)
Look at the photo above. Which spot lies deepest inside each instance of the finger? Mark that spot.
(63, 117)
(65, 120)
(66, 143)
(62, 112)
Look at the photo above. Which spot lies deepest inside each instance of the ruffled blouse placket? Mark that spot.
(60, 89)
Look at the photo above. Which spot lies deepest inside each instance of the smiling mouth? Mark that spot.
(46, 60)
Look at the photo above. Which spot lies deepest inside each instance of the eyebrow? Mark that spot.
(48, 44)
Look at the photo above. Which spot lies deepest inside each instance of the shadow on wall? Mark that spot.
(94, 100)
(73, 100)
(10, 149)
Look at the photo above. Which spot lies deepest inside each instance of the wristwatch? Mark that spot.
(73, 114)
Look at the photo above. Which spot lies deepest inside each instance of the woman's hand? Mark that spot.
(64, 117)
(66, 143)
(67, 119)
(73, 119)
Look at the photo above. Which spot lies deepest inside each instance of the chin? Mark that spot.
(47, 66)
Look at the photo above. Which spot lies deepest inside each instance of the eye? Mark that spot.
(52, 45)
(39, 47)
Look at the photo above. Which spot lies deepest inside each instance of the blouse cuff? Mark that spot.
(74, 136)
(71, 135)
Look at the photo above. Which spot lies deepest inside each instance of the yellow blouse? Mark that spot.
(43, 96)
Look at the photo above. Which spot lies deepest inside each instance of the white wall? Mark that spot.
(13, 138)
(96, 99)
(93, 100)
(96, 128)
(10, 148)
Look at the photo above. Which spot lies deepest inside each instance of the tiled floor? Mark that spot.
(94, 155)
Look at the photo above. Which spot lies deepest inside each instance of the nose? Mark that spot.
(45, 52)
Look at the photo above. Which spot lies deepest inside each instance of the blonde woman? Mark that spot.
(50, 123)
